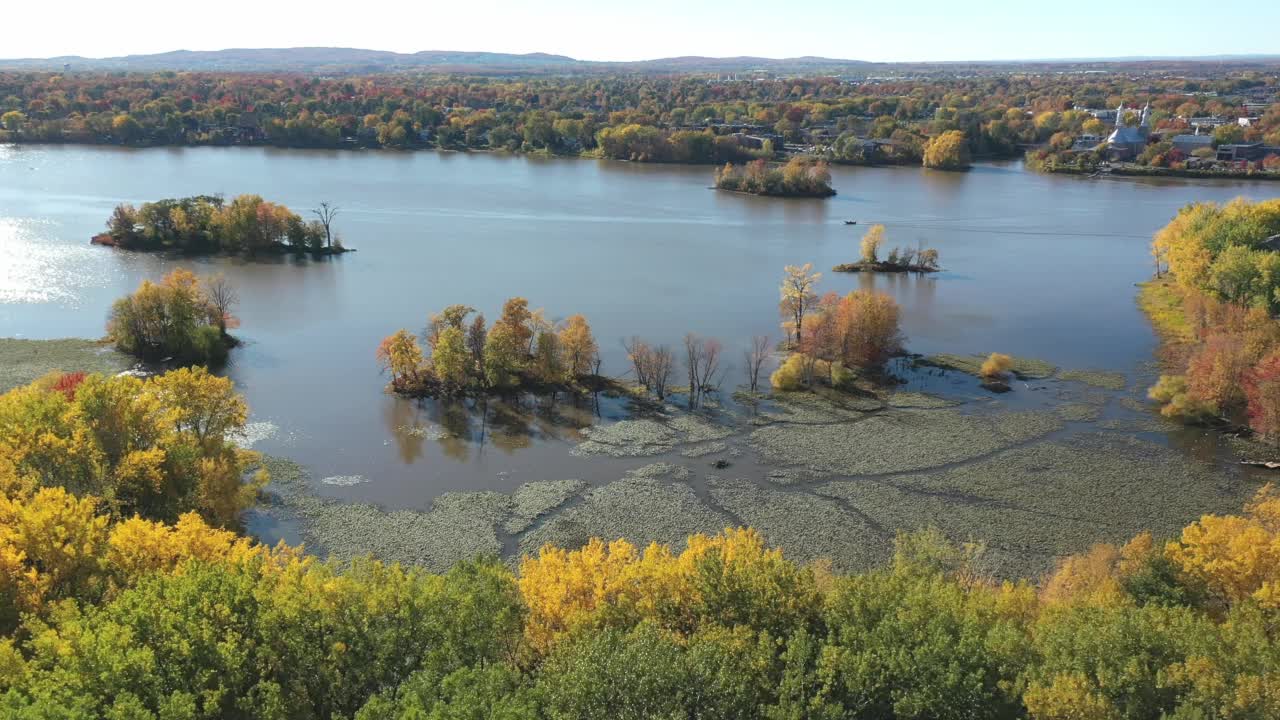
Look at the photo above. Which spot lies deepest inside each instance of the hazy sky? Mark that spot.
(633, 30)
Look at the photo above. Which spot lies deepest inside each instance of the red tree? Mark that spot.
(67, 384)
(1262, 389)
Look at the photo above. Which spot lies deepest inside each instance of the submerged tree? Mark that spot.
(754, 359)
(326, 214)
(798, 296)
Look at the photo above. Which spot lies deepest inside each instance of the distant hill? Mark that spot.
(349, 60)
(328, 60)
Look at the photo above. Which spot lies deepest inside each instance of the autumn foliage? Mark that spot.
(105, 615)
(996, 366)
(1227, 288)
(836, 334)
(180, 318)
(521, 348)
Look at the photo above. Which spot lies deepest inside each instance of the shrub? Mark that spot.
(996, 366)
(1177, 402)
(791, 374)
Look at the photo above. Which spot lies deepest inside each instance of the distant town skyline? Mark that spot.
(926, 31)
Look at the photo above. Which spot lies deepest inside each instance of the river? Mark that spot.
(1041, 266)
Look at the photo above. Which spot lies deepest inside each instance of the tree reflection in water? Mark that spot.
(508, 423)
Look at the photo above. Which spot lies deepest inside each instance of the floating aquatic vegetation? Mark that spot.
(1079, 412)
(1096, 378)
(1135, 404)
(627, 438)
(694, 429)
(711, 448)
(459, 526)
(790, 476)
(1022, 368)
(638, 509)
(1149, 424)
(805, 525)
(1252, 450)
(802, 408)
(900, 441)
(533, 500)
(1034, 504)
(24, 361)
(641, 437)
(920, 401)
(653, 470)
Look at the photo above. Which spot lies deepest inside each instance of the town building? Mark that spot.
(1087, 141)
(1127, 142)
(1188, 144)
(1241, 151)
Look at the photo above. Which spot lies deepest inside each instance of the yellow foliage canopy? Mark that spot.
(1237, 558)
(729, 577)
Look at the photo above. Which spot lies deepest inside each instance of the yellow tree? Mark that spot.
(50, 548)
(1235, 557)
(578, 345)
(871, 243)
(798, 293)
(401, 356)
(451, 359)
(947, 151)
(203, 404)
(517, 320)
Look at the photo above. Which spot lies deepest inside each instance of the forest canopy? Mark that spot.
(674, 118)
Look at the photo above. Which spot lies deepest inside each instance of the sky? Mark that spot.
(918, 30)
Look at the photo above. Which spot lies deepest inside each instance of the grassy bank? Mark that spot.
(22, 361)
(1161, 300)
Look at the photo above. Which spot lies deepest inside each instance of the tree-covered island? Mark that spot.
(208, 224)
(799, 177)
(918, 260)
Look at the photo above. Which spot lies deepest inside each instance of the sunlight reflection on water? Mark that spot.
(37, 267)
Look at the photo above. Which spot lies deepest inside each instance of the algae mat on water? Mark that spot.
(23, 361)
(1034, 504)
(837, 483)
(898, 441)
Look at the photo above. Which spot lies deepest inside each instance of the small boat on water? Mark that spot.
(850, 222)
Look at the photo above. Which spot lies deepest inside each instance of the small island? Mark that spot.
(799, 177)
(182, 320)
(206, 224)
(901, 260)
(522, 351)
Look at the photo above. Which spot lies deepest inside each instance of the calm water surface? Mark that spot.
(1037, 265)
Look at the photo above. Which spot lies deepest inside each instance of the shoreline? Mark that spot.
(797, 469)
(978, 163)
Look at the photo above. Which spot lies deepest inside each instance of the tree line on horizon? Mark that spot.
(641, 118)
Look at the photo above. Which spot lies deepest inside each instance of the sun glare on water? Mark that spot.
(37, 268)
